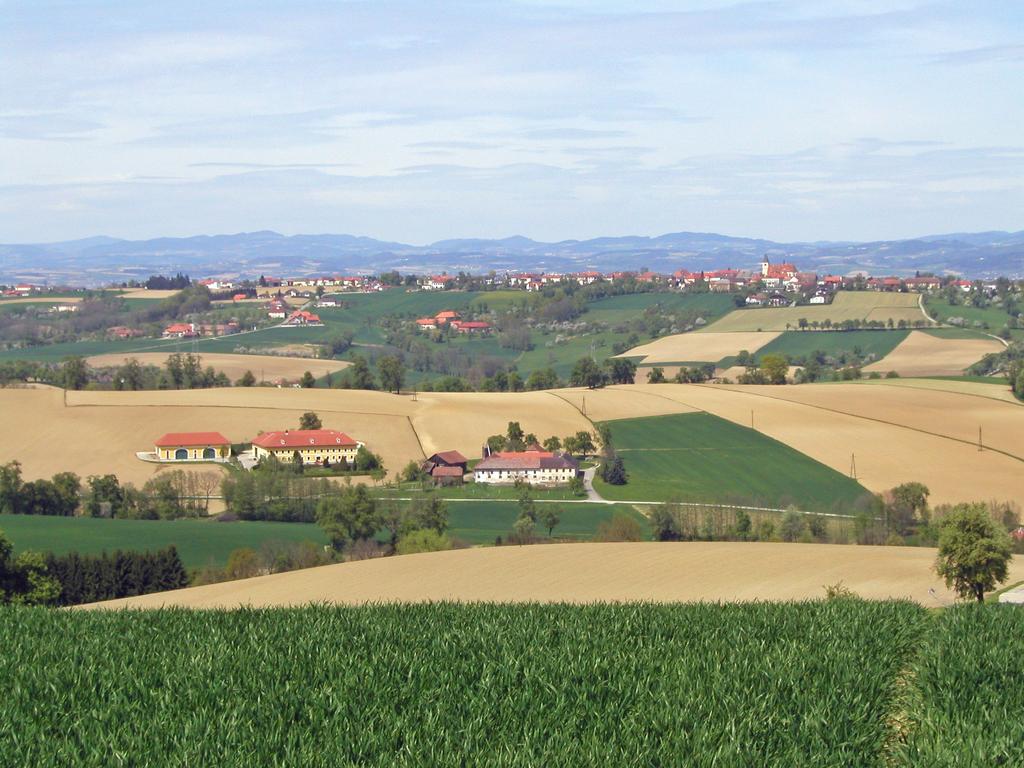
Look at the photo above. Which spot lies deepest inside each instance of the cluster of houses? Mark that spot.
(184, 330)
(449, 318)
(306, 287)
(315, 447)
(533, 465)
(771, 281)
(329, 447)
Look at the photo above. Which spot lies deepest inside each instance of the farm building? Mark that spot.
(532, 466)
(446, 467)
(314, 446)
(180, 331)
(302, 317)
(193, 446)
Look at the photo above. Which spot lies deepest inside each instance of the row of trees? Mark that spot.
(354, 516)
(91, 578)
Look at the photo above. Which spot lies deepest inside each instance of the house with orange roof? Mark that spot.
(321, 447)
(533, 466)
(192, 446)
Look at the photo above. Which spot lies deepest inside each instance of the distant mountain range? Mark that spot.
(99, 260)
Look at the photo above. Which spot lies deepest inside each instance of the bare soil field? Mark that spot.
(847, 305)
(617, 403)
(269, 368)
(584, 573)
(700, 347)
(922, 354)
(996, 391)
(101, 431)
(896, 433)
(833, 423)
(464, 420)
(142, 293)
(41, 300)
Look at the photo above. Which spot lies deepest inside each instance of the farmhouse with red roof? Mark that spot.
(532, 466)
(314, 446)
(193, 446)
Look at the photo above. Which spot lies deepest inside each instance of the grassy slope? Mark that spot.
(806, 684)
(994, 317)
(700, 457)
(199, 542)
(480, 522)
(801, 343)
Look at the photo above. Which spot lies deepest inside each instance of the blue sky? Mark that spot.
(416, 121)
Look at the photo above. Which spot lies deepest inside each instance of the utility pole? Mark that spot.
(981, 446)
(751, 418)
(853, 466)
(584, 409)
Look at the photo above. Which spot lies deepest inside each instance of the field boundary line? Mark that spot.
(948, 391)
(417, 436)
(727, 388)
(237, 407)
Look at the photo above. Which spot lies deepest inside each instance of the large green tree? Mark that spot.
(24, 579)
(349, 516)
(587, 373)
(974, 551)
(392, 373)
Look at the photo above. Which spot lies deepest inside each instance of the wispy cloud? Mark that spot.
(991, 53)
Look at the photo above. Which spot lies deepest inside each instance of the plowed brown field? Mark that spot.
(581, 573)
(921, 354)
(264, 367)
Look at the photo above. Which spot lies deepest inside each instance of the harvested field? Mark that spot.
(699, 347)
(583, 573)
(615, 403)
(997, 390)
(832, 423)
(847, 305)
(142, 293)
(464, 420)
(922, 354)
(270, 368)
(41, 300)
(101, 431)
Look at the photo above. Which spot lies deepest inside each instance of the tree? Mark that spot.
(619, 528)
(105, 496)
(774, 368)
(550, 517)
(392, 373)
(360, 373)
(793, 525)
(527, 506)
(349, 516)
(10, 488)
(308, 381)
(74, 372)
(613, 471)
(585, 443)
(310, 420)
(412, 473)
(553, 444)
(247, 380)
(656, 376)
(423, 540)
(24, 580)
(743, 525)
(366, 460)
(905, 505)
(586, 373)
(523, 530)
(515, 436)
(973, 551)
(243, 563)
(621, 370)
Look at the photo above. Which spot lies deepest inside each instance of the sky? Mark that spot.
(419, 121)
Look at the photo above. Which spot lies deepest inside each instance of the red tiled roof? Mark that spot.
(448, 313)
(451, 457)
(515, 460)
(175, 439)
(304, 438)
(447, 472)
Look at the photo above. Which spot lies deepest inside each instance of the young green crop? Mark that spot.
(512, 685)
(969, 681)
